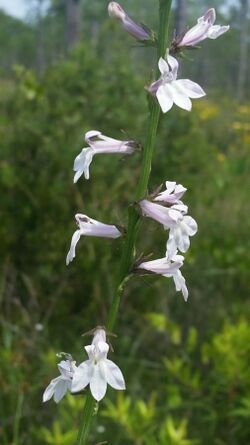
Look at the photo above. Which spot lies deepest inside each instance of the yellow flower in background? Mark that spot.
(241, 126)
(246, 139)
(244, 109)
(221, 157)
(207, 110)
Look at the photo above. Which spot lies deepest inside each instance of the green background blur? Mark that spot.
(186, 365)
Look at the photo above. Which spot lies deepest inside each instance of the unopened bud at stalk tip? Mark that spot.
(138, 31)
(115, 11)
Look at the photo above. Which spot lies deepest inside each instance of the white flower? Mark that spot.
(98, 371)
(117, 12)
(98, 143)
(169, 90)
(164, 215)
(169, 211)
(172, 194)
(168, 267)
(60, 385)
(90, 227)
(163, 266)
(39, 327)
(179, 234)
(204, 29)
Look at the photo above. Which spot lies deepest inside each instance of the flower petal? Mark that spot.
(190, 88)
(174, 65)
(171, 246)
(164, 98)
(216, 31)
(178, 258)
(170, 186)
(179, 98)
(163, 66)
(82, 163)
(91, 134)
(90, 349)
(72, 251)
(103, 349)
(98, 384)
(191, 225)
(82, 376)
(175, 213)
(209, 16)
(49, 391)
(182, 240)
(99, 335)
(114, 375)
(172, 194)
(179, 191)
(195, 34)
(61, 388)
(180, 284)
(65, 369)
(180, 207)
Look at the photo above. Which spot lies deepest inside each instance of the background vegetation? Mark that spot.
(186, 365)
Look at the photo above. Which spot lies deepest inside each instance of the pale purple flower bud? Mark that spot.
(98, 371)
(168, 268)
(117, 12)
(169, 90)
(90, 227)
(204, 29)
(98, 144)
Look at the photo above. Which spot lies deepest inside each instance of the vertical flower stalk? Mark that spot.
(133, 217)
(153, 120)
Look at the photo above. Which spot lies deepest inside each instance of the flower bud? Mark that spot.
(139, 32)
(115, 11)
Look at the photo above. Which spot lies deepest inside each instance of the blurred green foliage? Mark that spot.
(186, 365)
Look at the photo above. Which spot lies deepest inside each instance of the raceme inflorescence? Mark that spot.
(165, 206)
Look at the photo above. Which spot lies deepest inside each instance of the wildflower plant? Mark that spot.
(165, 206)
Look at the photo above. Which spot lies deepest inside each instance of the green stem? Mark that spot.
(133, 217)
(133, 227)
(148, 151)
(133, 220)
(87, 418)
(17, 419)
(164, 14)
